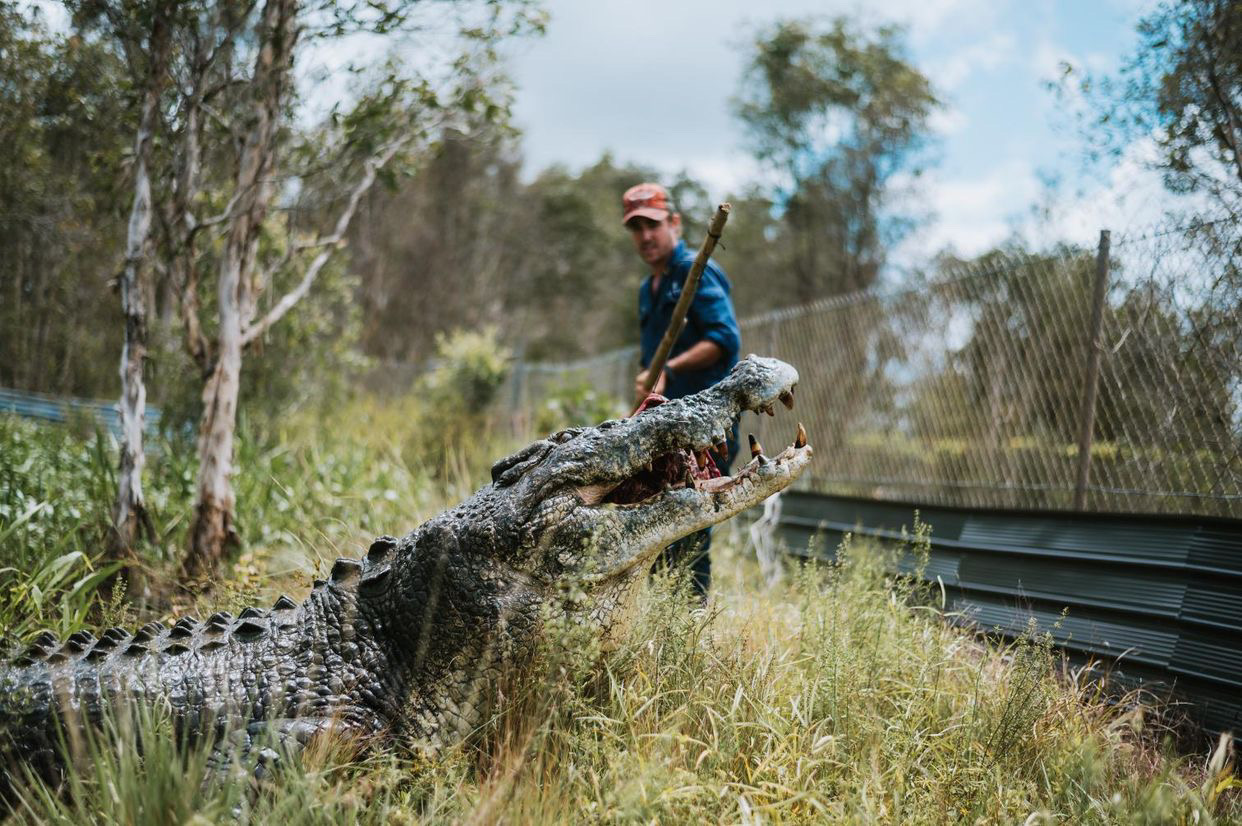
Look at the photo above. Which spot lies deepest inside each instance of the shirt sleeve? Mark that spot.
(712, 312)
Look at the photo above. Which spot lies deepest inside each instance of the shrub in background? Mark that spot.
(453, 402)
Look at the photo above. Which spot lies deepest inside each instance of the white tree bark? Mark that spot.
(131, 513)
(213, 530)
(240, 284)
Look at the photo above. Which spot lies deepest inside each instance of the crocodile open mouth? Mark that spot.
(686, 467)
(676, 469)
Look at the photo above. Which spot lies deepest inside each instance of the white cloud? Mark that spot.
(1130, 199)
(970, 214)
(961, 64)
(928, 20)
(947, 120)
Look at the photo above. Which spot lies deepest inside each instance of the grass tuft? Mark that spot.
(839, 696)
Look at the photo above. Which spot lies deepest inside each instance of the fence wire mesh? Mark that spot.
(969, 385)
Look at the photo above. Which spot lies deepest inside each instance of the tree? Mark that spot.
(64, 129)
(1182, 87)
(396, 115)
(144, 33)
(837, 114)
(250, 202)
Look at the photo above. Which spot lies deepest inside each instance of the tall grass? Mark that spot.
(840, 696)
(308, 490)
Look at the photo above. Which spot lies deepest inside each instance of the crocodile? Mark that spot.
(412, 640)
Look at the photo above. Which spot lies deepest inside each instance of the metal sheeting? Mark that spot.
(1157, 598)
(58, 409)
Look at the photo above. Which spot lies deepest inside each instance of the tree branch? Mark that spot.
(330, 242)
(1230, 126)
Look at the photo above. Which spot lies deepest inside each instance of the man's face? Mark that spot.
(654, 240)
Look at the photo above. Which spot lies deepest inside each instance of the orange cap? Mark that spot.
(646, 200)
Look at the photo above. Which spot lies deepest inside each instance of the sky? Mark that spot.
(651, 83)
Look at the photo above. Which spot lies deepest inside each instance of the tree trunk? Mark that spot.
(131, 513)
(213, 529)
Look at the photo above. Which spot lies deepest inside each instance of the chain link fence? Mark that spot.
(974, 383)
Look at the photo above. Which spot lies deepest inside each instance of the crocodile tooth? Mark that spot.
(722, 448)
(251, 613)
(248, 628)
(800, 440)
(381, 547)
(767, 408)
(756, 449)
(284, 603)
(345, 569)
(787, 399)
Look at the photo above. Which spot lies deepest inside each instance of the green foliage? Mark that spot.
(1182, 85)
(837, 112)
(574, 404)
(301, 504)
(471, 367)
(64, 128)
(55, 502)
(454, 425)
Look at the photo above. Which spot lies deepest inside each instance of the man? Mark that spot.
(708, 345)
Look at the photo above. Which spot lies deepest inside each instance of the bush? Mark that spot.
(453, 403)
(574, 404)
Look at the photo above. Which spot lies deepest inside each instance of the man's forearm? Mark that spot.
(702, 355)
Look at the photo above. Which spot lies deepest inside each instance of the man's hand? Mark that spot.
(640, 386)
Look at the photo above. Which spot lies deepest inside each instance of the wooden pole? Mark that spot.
(678, 320)
(1095, 352)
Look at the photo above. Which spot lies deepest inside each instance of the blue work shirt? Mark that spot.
(710, 317)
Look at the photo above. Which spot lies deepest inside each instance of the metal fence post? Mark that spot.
(1095, 351)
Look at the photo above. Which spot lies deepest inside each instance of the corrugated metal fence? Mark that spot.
(1156, 598)
(63, 409)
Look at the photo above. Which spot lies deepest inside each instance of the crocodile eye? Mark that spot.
(509, 469)
(566, 435)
